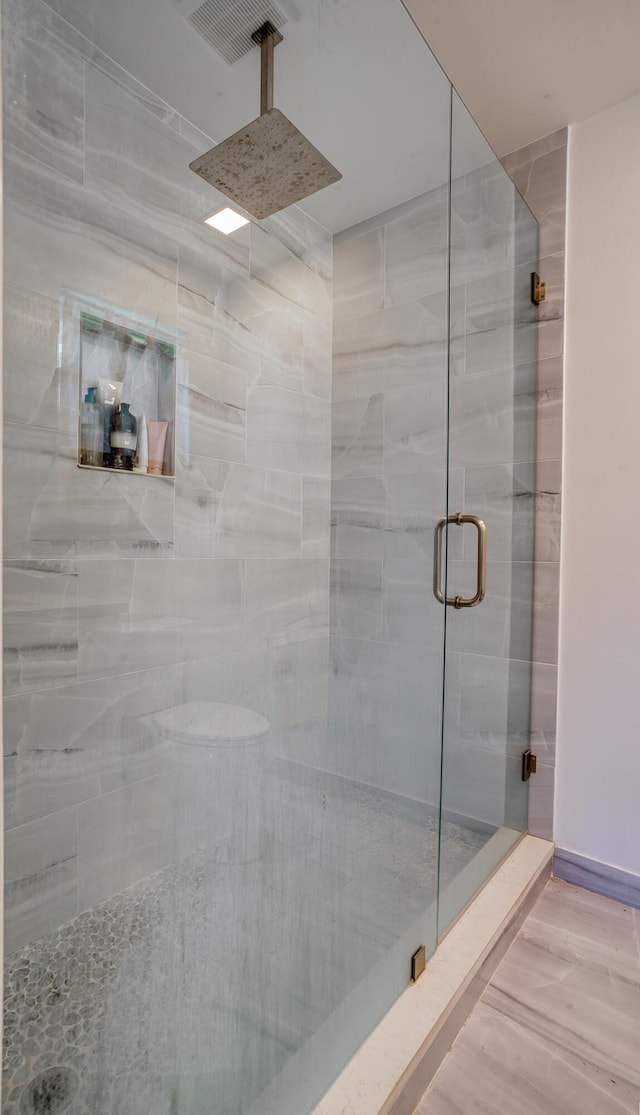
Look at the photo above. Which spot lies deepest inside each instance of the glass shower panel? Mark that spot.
(492, 384)
(222, 716)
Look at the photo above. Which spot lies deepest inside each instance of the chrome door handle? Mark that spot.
(481, 583)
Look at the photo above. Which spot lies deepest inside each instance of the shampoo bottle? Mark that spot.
(91, 430)
(123, 438)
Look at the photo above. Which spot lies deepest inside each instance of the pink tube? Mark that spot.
(156, 436)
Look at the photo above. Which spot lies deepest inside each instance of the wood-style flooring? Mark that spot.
(557, 1031)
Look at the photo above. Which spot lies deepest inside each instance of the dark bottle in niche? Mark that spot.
(123, 438)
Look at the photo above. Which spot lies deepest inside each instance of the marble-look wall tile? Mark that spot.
(304, 236)
(372, 679)
(415, 503)
(387, 517)
(78, 241)
(285, 682)
(526, 408)
(306, 743)
(505, 493)
(310, 688)
(412, 615)
(122, 222)
(75, 742)
(286, 601)
(356, 598)
(482, 209)
(208, 426)
(399, 346)
(37, 392)
(46, 768)
(550, 339)
(546, 595)
(211, 409)
(495, 702)
(540, 173)
(357, 438)
(143, 167)
(474, 784)
(209, 596)
(380, 351)
(544, 700)
(414, 428)
(548, 510)
(551, 268)
(502, 626)
(136, 615)
(549, 409)
(416, 248)
(41, 877)
(206, 266)
(54, 509)
(123, 836)
(369, 681)
(538, 149)
(209, 330)
(482, 417)
(316, 349)
(72, 24)
(359, 516)
(541, 791)
(40, 624)
(44, 95)
(485, 731)
(316, 517)
(225, 509)
(489, 325)
(288, 430)
(358, 276)
(279, 269)
(199, 140)
(400, 759)
(274, 325)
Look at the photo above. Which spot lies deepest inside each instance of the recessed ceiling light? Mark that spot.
(226, 220)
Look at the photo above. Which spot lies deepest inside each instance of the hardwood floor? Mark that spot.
(557, 1031)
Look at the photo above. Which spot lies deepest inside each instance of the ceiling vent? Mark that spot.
(227, 25)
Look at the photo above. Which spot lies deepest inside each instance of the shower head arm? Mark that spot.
(268, 38)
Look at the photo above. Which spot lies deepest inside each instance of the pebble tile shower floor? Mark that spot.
(192, 986)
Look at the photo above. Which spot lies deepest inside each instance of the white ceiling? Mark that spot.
(359, 81)
(354, 75)
(525, 69)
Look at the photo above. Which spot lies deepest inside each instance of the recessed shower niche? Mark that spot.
(127, 380)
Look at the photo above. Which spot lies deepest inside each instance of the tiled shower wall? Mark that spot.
(388, 488)
(127, 594)
(540, 173)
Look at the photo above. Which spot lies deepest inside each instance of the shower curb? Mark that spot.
(394, 1066)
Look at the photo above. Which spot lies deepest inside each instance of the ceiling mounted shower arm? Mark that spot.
(267, 38)
(269, 164)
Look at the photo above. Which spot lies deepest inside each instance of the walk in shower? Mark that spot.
(252, 758)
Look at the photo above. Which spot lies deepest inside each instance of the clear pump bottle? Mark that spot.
(91, 430)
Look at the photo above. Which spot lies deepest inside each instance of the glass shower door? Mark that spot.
(487, 576)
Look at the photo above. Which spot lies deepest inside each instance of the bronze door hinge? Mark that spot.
(529, 763)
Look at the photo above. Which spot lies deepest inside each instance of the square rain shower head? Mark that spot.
(266, 166)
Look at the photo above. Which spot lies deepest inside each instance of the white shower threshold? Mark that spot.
(391, 1069)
